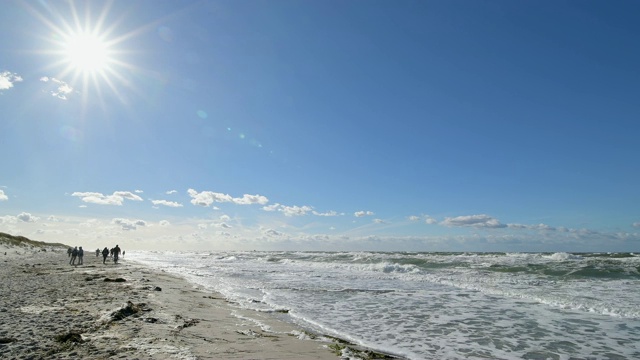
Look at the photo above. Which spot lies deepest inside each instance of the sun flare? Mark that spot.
(87, 48)
(86, 53)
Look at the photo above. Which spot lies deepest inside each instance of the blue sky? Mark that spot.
(322, 125)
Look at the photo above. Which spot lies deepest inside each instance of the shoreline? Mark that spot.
(50, 309)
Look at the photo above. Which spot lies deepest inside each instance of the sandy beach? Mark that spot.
(50, 309)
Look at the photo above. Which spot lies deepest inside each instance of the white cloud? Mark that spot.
(295, 210)
(224, 234)
(50, 232)
(379, 221)
(128, 224)
(166, 203)
(8, 219)
(206, 198)
(247, 199)
(117, 198)
(62, 88)
(171, 192)
(273, 233)
(7, 79)
(273, 207)
(328, 213)
(128, 195)
(479, 221)
(3, 197)
(90, 223)
(584, 232)
(138, 191)
(427, 219)
(544, 227)
(289, 210)
(636, 224)
(363, 213)
(225, 217)
(26, 217)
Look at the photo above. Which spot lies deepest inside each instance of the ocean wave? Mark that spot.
(563, 256)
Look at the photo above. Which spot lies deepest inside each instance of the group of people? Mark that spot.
(113, 252)
(77, 253)
(74, 254)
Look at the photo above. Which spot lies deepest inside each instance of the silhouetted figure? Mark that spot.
(122, 253)
(98, 252)
(105, 254)
(80, 255)
(116, 253)
(74, 255)
(69, 251)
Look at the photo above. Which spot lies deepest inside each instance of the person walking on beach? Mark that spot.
(105, 254)
(98, 252)
(74, 255)
(116, 253)
(69, 250)
(80, 255)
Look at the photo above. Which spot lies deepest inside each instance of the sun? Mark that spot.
(86, 48)
(87, 53)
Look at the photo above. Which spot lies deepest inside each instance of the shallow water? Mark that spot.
(438, 305)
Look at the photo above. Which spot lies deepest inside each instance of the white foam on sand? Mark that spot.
(149, 346)
(39, 309)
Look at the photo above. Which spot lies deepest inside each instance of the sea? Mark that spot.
(436, 305)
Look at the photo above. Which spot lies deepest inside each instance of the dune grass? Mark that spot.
(21, 241)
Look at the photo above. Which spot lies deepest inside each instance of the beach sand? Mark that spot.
(52, 310)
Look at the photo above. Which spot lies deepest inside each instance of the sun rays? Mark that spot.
(87, 47)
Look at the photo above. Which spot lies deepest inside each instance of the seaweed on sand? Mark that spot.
(341, 347)
(128, 310)
(72, 336)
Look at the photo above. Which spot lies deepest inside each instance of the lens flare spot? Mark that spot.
(256, 143)
(202, 114)
(165, 33)
(70, 133)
